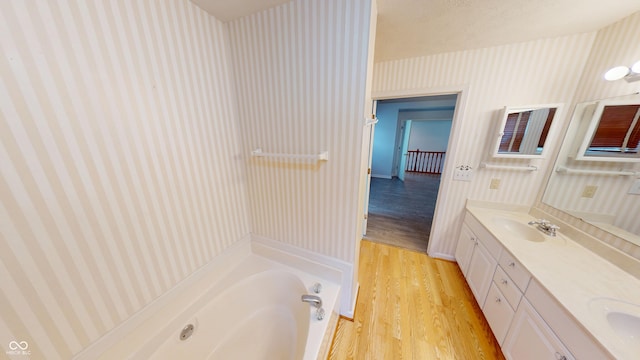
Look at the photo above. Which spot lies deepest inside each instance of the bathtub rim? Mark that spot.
(118, 342)
(212, 295)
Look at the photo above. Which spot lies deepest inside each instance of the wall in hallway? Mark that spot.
(388, 128)
(120, 163)
(429, 135)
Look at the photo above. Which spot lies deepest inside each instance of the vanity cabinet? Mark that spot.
(498, 312)
(477, 254)
(512, 268)
(464, 248)
(527, 321)
(570, 333)
(503, 298)
(530, 338)
(481, 268)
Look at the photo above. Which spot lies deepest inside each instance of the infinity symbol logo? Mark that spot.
(22, 345)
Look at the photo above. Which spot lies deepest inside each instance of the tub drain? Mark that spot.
(186, 332)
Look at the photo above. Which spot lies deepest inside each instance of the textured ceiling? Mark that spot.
(409, 28)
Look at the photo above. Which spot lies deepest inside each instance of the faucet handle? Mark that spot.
(317, 287)
(542, 222)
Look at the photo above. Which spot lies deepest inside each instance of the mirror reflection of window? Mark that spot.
(618, 130)
(514, 130)
(525, 132)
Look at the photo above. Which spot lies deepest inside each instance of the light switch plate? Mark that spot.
(635, 188)
(463, 173)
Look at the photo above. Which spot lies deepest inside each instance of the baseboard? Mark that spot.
(382, 176)
(442, 256)
(261, 244)
(350, 314)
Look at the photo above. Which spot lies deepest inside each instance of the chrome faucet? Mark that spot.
(313, 300)
(546, 226)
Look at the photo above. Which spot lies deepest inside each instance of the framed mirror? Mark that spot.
(604, 193)
(612, 132)
(523, 131)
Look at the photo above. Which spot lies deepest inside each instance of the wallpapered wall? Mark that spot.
(120, 162)
(617, 44)
(535, 72)
(301, 72)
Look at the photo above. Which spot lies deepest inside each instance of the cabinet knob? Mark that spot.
(512, 264)
(560, 356)
(504, 281)
(498, 300)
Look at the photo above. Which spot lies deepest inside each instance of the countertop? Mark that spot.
(572, 274)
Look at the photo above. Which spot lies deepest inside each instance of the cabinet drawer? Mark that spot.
(507, 287)
(498, 313)
(515, 270)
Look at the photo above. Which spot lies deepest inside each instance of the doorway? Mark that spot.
(408, 155)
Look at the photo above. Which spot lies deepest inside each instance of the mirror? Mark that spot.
(605, 193)
(523, 131)
(612, 133)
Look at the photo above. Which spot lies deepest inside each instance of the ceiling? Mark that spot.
(409, 28)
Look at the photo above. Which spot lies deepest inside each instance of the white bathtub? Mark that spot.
(261, 317)
(250, 309)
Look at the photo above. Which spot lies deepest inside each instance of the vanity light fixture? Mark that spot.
(629, 74)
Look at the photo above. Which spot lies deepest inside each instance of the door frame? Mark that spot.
(438, 225)
(404, 147)
(369, 134)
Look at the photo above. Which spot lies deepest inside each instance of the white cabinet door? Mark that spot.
(498, 312)
(464, 248)
(530, 338)
(480, 274)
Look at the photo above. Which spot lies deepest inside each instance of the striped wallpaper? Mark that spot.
(536, 72)
(617, 44)
(125, 150)
(300, 76)
(121, 171)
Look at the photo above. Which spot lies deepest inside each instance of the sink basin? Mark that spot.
(519, 229)
(624, 324)
(621, 318)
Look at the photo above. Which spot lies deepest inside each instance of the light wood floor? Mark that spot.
(401, 212)
(411, 306)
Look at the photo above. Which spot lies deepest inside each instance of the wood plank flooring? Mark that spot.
(401, 213)
(411, 306)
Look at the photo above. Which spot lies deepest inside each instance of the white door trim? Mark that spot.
(437, 228)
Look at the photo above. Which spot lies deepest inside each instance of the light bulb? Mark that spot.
(616, 73)
(636, 67)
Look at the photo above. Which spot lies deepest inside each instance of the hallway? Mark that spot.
(401, 213)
